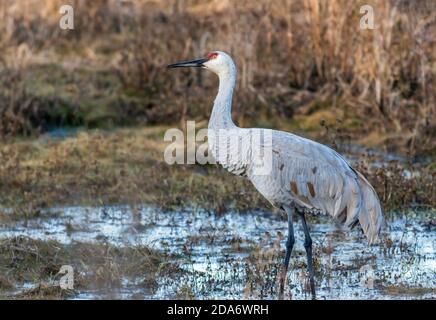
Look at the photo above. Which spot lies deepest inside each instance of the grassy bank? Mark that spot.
(96, 265)
(126, 166)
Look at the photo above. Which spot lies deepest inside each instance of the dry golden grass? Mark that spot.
(383, 77)
(127, 166)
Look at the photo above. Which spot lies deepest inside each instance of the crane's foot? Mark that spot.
(289, 246)
(308, 247)
(311, 272)
(312, 289)
(282, 280)
(310, 285)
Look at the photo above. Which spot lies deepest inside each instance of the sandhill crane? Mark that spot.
(305, 176)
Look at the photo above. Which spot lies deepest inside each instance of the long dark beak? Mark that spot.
(192, 63)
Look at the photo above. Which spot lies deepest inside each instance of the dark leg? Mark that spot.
(289, 246)
(308, 247)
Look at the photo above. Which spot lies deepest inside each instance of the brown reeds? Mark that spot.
(284, 49)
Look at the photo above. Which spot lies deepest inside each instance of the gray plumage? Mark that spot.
(299, 175)
(308, 174)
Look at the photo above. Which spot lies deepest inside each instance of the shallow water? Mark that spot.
(237, 255)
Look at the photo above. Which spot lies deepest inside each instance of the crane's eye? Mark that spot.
(212, 55)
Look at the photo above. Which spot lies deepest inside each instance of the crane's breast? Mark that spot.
(231, 149)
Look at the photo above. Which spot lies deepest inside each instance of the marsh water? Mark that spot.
(237, 255)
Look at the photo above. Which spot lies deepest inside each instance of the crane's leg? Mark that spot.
(308, 247)
(289, 246)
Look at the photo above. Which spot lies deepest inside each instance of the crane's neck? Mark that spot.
(221, 117)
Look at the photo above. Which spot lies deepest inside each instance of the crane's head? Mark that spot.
(217, 61)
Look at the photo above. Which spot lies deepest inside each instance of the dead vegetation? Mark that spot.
(127, 166)
(96, 266)
(304, 66)
(99, 168)
(302, 61)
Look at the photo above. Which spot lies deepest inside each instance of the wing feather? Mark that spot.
(318, 177)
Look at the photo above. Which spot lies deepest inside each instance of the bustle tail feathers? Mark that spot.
(370, 216)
